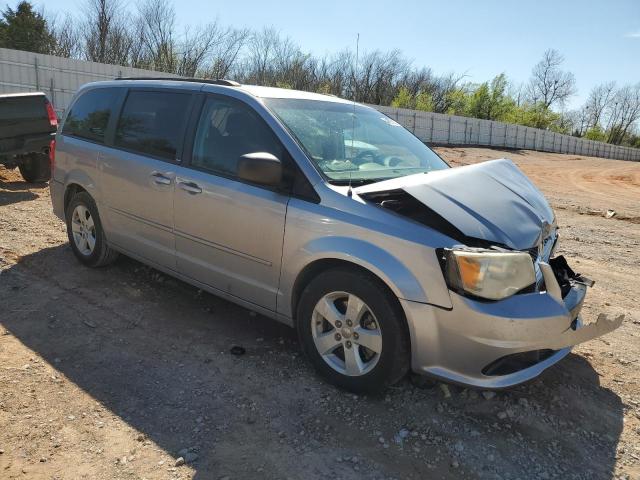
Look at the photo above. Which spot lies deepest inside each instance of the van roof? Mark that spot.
(273, 92)
(255, 90)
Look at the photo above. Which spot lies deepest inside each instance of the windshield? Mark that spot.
(358, 145)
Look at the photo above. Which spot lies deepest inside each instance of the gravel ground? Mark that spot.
(125, 373)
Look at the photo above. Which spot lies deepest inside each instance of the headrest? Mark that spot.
(239, 124)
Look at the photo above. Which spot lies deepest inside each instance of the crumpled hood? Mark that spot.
(493, 201)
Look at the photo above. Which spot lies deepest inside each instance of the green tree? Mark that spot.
(490, 100)
(479, 104)
(458, 101)
(535, 115)
(25, 29)
(633, 141)
(424, 101)
(595, 133)
(403, 99)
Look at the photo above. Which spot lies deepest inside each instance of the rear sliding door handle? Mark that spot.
(190, 187)
(160, 179)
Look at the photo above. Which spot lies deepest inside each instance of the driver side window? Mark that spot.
(228, 129)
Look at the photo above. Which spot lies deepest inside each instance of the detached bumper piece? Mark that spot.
(569, 287)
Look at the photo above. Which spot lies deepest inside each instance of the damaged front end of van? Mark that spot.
(515, 305)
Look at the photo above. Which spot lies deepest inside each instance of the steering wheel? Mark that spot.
(392, 161)
(367, 156)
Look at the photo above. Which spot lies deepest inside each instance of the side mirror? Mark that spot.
(260, 167)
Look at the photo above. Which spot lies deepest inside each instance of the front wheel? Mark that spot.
(353, 330)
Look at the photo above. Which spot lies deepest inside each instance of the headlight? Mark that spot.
(488, 274)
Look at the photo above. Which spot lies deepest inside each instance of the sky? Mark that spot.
(600, 40)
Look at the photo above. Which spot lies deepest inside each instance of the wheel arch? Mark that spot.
(69, 192)
(326, 252)
(77, 180)
(316, 267)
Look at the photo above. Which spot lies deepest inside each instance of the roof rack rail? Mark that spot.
(221, 81)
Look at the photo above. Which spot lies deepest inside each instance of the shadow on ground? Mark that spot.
(14, 192)
(155, 352)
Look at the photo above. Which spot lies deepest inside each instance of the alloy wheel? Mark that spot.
(84, 230)
(346, 333)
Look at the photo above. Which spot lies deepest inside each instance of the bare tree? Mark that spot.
(336, 73)
(292, 67)
(443, 87)
(376, 76)
(155, 26)
(66, 37)
(195, 49)
(417, 80)
(549, 84)
(225, 53)
(519, 93)
(579, 120)
(598, 102)
(623, 113)
(260, 56)
(209, 51)
(105, 32)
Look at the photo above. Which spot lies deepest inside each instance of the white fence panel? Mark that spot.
(453, 130)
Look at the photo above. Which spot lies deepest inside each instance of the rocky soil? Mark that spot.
(125, 373)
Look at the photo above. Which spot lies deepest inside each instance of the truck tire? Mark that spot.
(35, 167)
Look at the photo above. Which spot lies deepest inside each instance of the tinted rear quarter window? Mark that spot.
(152, 123)
(90, 114)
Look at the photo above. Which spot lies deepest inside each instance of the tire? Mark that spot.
(380, 325)
(35, 167)
(85, 232)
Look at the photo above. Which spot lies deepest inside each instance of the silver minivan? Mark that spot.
(328, 216)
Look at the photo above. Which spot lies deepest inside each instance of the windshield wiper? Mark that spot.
(354, 181)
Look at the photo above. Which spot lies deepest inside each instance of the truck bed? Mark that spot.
(24, 123)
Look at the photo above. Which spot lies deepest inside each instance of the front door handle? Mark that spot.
(160, 179)
(190, 187)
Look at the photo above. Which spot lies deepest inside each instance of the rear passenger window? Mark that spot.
(227, 130)
(89, 116)
(152, 123)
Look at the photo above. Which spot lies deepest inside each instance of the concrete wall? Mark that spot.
(59, 78)
(437, 128)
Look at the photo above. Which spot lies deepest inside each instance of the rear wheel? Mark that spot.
(85, 232)
(35, 167)
(353, 330)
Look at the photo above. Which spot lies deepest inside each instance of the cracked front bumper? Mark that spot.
(523, 334)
